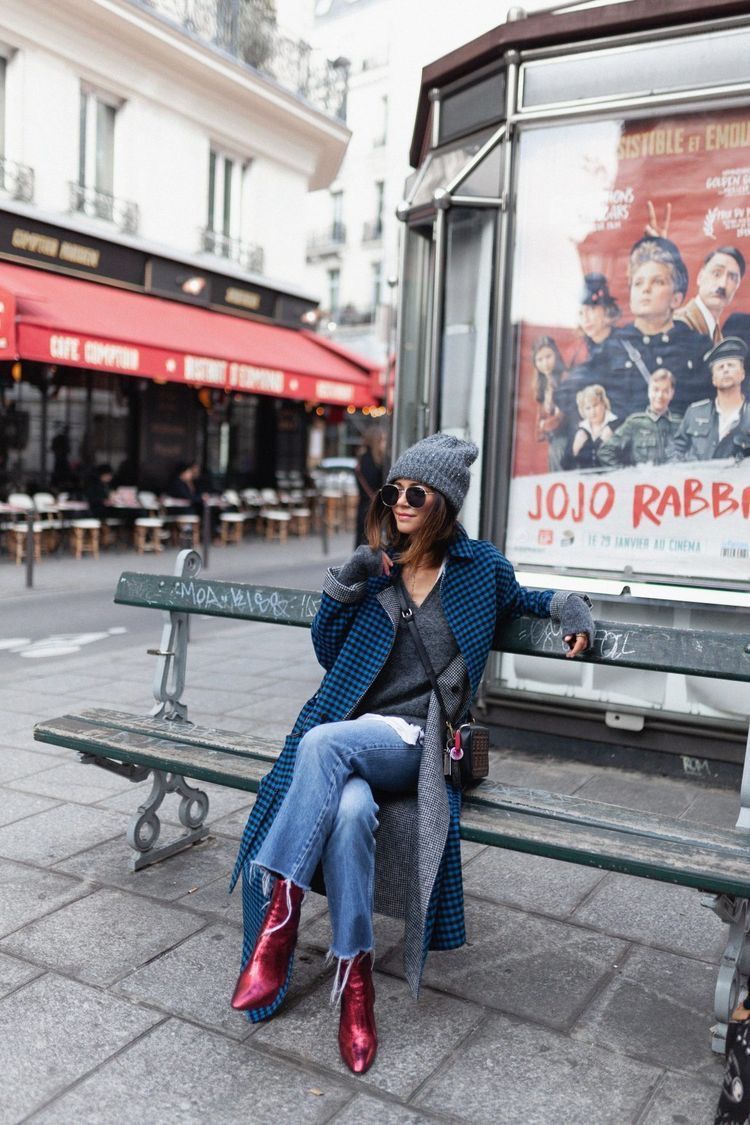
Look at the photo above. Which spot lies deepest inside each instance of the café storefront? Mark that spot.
(108, 353)
(559, 161)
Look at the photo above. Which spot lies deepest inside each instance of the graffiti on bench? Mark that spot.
(219, 599)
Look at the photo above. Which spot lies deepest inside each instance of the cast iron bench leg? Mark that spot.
(735, 962)
(145, 826)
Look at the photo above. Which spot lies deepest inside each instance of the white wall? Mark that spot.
(176, 102)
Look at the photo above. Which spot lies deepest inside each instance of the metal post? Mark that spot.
(206, 533)
(432, 411)
(44, 389)
(30, 517)
(324, 524)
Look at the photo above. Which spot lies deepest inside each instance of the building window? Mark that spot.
(96, 159)
(224, 193)
(337, 216)
(334, 290)
(377, 284)
(373, 228)
(379, 203)
(381, 123)
(93, 192)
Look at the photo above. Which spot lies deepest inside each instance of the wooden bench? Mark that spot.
(169, 748)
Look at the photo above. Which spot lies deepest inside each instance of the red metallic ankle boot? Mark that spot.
(358, 1037)
(265, 974)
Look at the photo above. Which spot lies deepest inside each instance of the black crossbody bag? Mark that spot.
(466, 757)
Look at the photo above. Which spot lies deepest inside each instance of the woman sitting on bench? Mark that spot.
(360, 788)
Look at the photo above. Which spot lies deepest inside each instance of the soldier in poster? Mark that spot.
(645, 437)
(720, 426)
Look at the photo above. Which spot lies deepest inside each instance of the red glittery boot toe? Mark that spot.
(265, 974)
(358, 1037)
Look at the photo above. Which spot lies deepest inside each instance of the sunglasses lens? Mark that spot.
(389, 495)
(415, 496)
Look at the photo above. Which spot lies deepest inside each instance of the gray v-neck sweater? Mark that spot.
(403, 687)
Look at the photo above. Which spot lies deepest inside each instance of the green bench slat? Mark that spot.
(218, 599)
(579, 810)
(700, 652)
(157, 753)
(610, 850)
(561, 827)
(230, 742)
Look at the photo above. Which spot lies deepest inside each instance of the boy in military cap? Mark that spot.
(718, 427)
(647, 435)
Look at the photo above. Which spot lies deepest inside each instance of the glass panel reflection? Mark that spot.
(466, 336)
(443, 166)
(713, 60)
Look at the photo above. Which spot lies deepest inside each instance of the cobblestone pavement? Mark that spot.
(582, 997)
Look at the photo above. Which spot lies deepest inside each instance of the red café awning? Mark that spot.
(56, 319)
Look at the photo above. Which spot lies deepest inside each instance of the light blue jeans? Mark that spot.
(329, 815)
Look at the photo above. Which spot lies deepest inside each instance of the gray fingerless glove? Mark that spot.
(572, 612)
(364, 563)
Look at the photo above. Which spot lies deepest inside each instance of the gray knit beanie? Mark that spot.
(441, 461)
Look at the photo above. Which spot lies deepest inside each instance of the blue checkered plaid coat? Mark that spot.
(418, 863)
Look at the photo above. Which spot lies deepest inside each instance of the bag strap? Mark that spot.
(407, 615)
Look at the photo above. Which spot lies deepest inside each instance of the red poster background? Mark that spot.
(700, 164)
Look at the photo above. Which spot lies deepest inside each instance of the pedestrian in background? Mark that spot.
(361, 783)
(370, 474)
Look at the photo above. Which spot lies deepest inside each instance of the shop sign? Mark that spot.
(25, 239)
(76, 350)
(237, 297)
(327, 391)
(629, 268)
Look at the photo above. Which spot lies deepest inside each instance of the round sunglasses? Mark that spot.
(415, 495)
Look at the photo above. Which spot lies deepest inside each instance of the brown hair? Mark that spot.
(662, 375)
(430, 542)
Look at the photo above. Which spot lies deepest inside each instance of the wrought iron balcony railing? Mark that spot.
(101, 205)
(326, 242)
(16, 180)
(247, 30)
(372, 231)
(245, 254)
(352, 316)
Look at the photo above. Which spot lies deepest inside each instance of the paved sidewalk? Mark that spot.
(583, 997)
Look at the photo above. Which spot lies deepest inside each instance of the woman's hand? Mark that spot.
(365, 563)
(577, 643)
(653, 228)
(573, 613)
